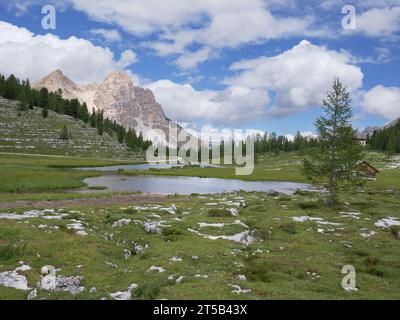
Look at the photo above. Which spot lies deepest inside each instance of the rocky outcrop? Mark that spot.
(118, 97)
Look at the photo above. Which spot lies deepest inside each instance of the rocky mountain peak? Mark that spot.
(57, 72)
(118, 86)
(117, 96)
(118, 77)
(57, 80)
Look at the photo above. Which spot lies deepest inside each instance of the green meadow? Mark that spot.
(35, 173)
(227, 246)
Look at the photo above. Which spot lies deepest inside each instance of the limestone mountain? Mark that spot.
(370, 130)
(117, 97)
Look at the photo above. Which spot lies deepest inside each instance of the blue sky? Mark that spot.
(257, 64)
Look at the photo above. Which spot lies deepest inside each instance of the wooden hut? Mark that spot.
(367, 169)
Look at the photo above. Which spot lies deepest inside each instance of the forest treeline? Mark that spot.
(15, 89)
(387, 139)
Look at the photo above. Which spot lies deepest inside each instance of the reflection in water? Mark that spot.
(143, 166)
(188, 185)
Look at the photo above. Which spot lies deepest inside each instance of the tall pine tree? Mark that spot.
(338, 152)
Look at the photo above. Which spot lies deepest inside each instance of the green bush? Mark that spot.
(375, 272)
(171, 233)
(130, 211)
(395, 231)
(150, 290)
(262, 234)
(372, 261)
(108, 219)
(8, 252)
(309, 205)
(289, 228)
(219, 213)
(257, 270)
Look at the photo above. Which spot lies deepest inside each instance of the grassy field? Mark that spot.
(269, 167)
(30, 173)
(287, 260)
(283, 167)
(295, 246)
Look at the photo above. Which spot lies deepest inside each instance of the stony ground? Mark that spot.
(28, 132)
(85, 202)
(230, 246)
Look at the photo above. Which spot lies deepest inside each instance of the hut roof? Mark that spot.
(369, 165)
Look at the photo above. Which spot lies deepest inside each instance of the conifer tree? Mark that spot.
(23, 101)
(64, 135)
(45, 113)
(338, 152)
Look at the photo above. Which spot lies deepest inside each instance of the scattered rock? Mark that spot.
(14, 280)
(78, 227)
(273, 193)
(155, 226)
(313, 275)
(158, 269)
(23, 267)
(238, 289)
(137, 248)
(175, 259)
(51, 282)
(367, 234)
(233, 211)
(112, 265)
(347, 244)
(388, 222)
(170, 210)
(127, 254)
(120, 223)
(242, 237)
(352, 215)
(350, 289)
(179, 280)
(306, 219)
(33, 294)
(124, 295)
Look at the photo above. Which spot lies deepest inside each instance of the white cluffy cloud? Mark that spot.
(27, 55)
(299, 77)
(383, 102)
(233, 105)
(379, 22)
(211, 24)
(107, 34)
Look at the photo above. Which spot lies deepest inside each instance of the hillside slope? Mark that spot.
(29, 132)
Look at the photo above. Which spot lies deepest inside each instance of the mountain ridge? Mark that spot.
(370, 130)
(120, 100)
